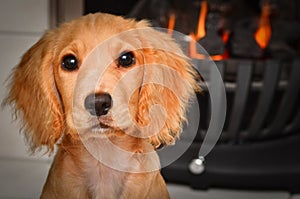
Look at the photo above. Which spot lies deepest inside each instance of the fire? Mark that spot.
(263, 33)
(225, 36)
(193, 48)
(201, 22)
(171, 24)
(200, 33)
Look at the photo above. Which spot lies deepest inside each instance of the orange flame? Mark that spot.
(195, 55)
(225, 36)
(193, 48)
(171, 24)
(263, 33)
(201, 22)
(201, 32)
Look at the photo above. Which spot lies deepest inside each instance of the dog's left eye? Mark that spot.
(126, 59)
(69, 63)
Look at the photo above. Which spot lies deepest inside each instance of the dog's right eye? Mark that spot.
(69, 63)
(126, 59)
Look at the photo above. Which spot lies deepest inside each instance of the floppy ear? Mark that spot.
(169, 81)
(34, 97)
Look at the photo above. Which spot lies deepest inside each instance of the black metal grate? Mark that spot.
(262, 99)
(260, 144)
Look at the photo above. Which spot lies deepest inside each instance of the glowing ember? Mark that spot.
(225, 36)
(263, 33)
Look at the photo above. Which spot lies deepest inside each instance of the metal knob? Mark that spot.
(197, 166)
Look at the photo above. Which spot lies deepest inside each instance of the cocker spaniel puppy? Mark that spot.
(108, 91)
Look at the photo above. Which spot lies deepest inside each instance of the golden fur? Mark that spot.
(42, 95)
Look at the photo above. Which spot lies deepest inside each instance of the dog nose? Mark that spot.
(98, 104)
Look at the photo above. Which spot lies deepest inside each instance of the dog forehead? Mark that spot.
(88, 32)
(100, 26)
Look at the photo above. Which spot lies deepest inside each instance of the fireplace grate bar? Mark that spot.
(271, 76)
(262, 100)
(243, 86)
(288, 103)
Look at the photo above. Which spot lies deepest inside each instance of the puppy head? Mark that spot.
(58, 87)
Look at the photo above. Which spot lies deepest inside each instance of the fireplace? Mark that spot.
(232, 28)
(256, 47)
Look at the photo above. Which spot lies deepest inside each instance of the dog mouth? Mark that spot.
(101, 125)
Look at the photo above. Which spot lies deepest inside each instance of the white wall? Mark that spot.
(22, 23)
